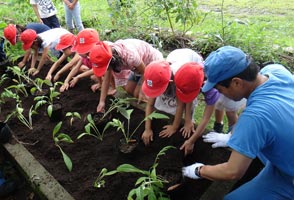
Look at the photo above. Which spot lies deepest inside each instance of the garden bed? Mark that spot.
(89, 155)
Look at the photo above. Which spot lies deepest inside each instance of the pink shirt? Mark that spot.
(133, 52)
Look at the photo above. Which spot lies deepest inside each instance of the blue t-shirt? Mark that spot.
(39, 28)
(266, 126)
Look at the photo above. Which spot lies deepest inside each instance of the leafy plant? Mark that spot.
(72, 116)
(38, 85)
(127, 114)
(149, 185)
(91, 126)
(62, 137)
(53, 94)
(19, 88)
(18, 112)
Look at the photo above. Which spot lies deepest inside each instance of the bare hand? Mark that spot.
(48, 77)
(32, 70)
(21, 64)
(147, 136)
(74, 81)
(187, 129)
(187, 147)
(168, 131)
(56, 77)
(100, 107)
(64, 87)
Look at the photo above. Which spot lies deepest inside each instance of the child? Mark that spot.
(46, 12)
(44, 42)
(118, 59)
(12, 33)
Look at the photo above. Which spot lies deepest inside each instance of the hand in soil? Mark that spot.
(187, 147)
(100, 107)
(147, 137)
(187, 129)
(21, 64)
(95, 87)
(64, 87)
(168, 131)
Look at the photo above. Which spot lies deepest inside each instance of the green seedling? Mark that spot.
(62, 137)
(72, 116)
(126, 129)
(149, 185)
(92, 130)
(18, 113)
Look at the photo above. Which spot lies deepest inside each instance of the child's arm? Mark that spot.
(71, 74)
(169, 130)
(55, 66)
(189, 125)
(42, 61)
(35, 8)
(104, 89)
(75, 79)
(147, 135)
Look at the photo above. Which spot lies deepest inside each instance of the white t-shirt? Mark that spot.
(167, 102)
(51, 38)
(46, 8)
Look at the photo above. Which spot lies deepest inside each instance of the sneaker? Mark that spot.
(218, 127)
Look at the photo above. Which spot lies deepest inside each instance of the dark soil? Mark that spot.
(90, 155)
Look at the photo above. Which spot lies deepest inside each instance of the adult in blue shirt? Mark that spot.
(265, 129)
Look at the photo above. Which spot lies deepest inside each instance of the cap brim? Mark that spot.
(27, 46)
(61, 47)
(186, 98)
(208, 86)
(152, 93)
(83, 49)
(100, 71)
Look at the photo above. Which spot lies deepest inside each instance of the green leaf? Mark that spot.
(130, 168)
(57, 128)
(64, 138)
(49, 110)
(66, 160)
(82, 135)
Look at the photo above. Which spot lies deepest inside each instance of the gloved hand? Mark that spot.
(189, 171)
(219, 139)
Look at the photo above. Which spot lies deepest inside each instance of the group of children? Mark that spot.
(169, 85)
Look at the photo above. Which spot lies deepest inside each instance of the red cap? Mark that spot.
(188, 80)
(86, 39)
(100, 57)
(10, 33)
(28, 37)
(156, 78)
(65, 41)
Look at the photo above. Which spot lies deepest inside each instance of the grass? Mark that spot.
(260, 28)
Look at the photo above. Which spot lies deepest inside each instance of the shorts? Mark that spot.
(137, 78)
(224, 103)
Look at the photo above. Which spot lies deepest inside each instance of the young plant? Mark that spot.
(149, 185)
(73, 116)
(118, 104)
(62, 137)
(91, 126)
(19, 88)
(127, 114)
(41, 100)
(18, 112)
(38, 85)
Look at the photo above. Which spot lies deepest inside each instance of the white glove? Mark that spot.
(219, 139)
(189, 171)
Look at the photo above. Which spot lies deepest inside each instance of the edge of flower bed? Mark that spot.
(41, 181)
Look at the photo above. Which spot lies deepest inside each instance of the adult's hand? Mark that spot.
(218, 139)
(190, 171)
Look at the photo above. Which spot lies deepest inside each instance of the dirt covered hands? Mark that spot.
(264, 129)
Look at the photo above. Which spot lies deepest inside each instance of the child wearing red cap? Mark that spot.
(65, 44)
(173, 86)
(118, 59)
(41, 42)
(13, 31)
(85, 40)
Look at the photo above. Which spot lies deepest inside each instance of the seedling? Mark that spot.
(38, 85)
(62, 137)
(91, 126)
(149, 185)
(73, 116)
(18, 112)
(41, 100)
(127, 114)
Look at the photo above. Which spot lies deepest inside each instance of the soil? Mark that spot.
(89, 155)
